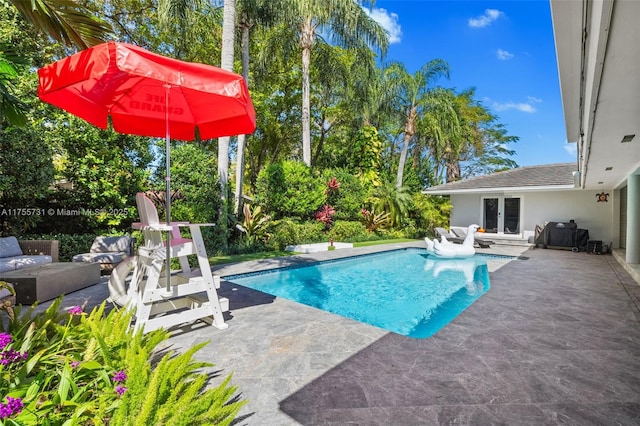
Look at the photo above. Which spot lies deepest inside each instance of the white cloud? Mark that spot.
(489, 16)
(388, 21)
(504, 55)
(518, 106)
(533, 99)
(571, 148)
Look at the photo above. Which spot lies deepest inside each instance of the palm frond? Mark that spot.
(65, 21)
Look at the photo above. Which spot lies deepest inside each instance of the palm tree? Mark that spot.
(226, 63)
(12, 109)
(172, 10)
(393, 200)
(412, 95)
(250, 13)
(439, 124)
(63, 20)
(66, 21)
(471, 115)
(346, 24)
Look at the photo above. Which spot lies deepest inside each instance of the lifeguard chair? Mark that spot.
(162, 298)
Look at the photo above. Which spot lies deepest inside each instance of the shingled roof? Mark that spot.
(548, 176)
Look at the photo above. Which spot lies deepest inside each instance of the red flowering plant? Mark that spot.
(326, 212)
(325, 215)
(332, 186)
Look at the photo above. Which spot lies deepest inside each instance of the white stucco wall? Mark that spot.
(536, 208)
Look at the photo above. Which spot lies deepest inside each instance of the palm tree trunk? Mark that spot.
(321, 139)
(409, 130)
(453, 171)
(242, 138)
(306, 43)
(226, 63)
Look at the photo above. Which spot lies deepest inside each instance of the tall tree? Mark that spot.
(411, 92)
(345, 23)
(494, 155)
(226, 63)
(458, 137)
(173, 10)
(438, 125)
(471, 116)
(251, 12)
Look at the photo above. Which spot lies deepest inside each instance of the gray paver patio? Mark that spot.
(556, 340)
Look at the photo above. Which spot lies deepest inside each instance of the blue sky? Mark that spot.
(505, 49)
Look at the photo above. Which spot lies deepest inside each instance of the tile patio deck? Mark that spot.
(556, 340)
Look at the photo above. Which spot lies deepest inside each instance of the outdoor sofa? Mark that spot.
(18, 254)
(108, 251)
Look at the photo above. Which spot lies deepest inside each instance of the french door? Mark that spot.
(501, 215)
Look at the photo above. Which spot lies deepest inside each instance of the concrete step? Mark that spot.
(506, 240)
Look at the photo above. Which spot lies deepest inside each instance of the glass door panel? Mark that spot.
(491, 213)
(512, 215)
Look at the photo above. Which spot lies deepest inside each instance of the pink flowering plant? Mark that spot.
(74, 367)
(326, 212)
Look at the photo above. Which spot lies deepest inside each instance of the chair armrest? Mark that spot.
(40, 247)
(157, 227)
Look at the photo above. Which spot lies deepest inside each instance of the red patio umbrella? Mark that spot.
(147, 94)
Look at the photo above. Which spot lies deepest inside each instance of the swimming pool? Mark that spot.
(405, 291)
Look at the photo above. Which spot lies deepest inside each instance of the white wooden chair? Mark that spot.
(190, 295)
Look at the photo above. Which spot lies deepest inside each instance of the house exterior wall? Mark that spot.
(536, 208)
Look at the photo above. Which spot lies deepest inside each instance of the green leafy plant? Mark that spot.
(255, 224)
(392, 199)
(375, 221)
(74, 368)
(348, 231)
(289, 189)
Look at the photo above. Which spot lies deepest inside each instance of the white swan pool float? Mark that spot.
(464, 266)
(449, 250)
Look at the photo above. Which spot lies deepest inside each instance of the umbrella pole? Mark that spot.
(167, 198)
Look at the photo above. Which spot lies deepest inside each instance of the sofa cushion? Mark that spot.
(100, 257)
(111, 244)
(9, 247)
(6, 265)
(25, 261)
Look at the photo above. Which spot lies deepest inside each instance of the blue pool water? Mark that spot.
(404, 291)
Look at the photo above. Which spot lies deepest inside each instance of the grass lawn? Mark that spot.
(219, 260)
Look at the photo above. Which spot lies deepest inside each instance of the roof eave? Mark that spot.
(499, 189)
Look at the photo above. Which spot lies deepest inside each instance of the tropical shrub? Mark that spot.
(347, 200)
(373, 221)
(283, 233)
(393, 200)
(345, 231)
(26, 171)
(254, 225)
(366, 155)
(289, 189)
(310, 232)
(77, 368)
(288, 232)
(428, 212)
(325, 216)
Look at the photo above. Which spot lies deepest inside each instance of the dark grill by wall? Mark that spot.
(561, 235)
